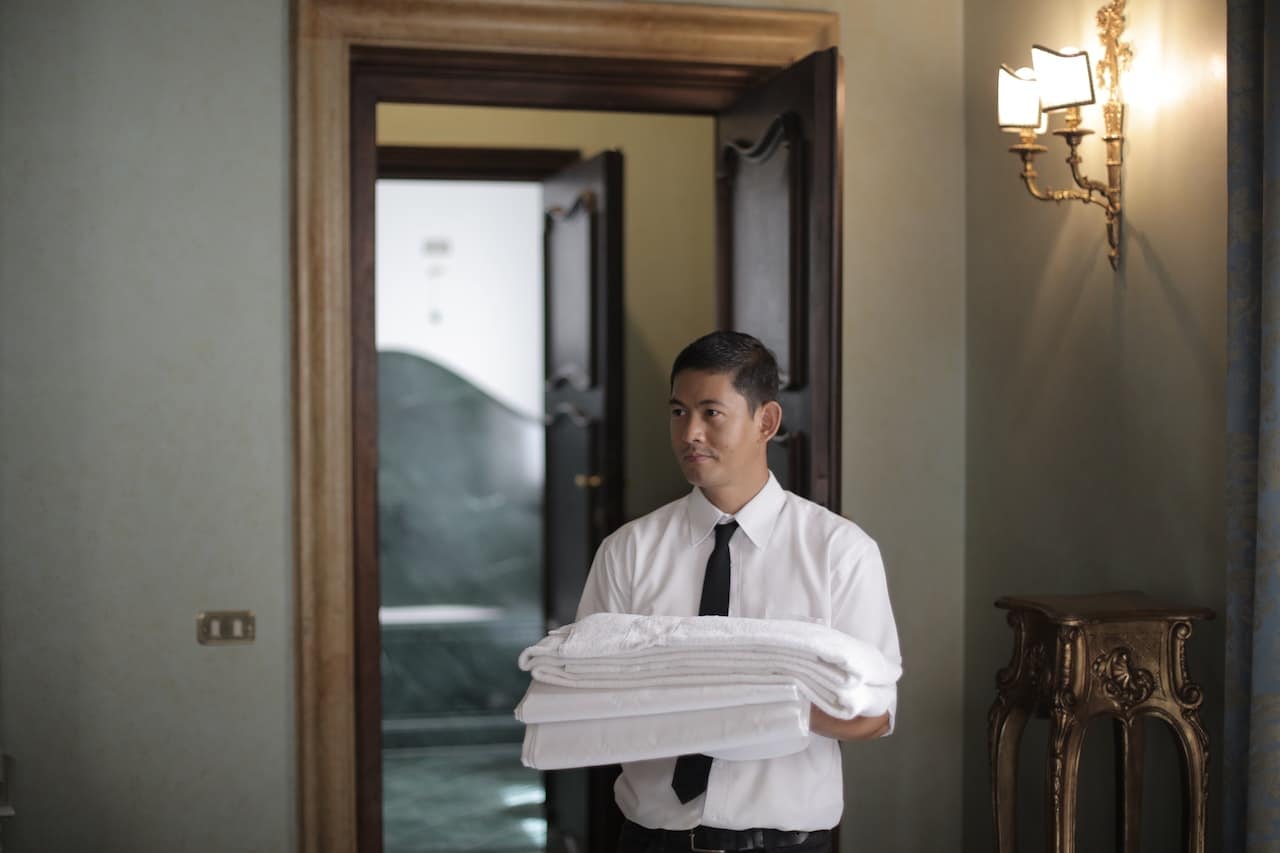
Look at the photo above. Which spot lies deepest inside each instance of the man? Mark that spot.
(777, 556)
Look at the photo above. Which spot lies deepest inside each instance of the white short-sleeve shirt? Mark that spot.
(790, 559)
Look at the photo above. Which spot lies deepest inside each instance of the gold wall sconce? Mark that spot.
(1060, 81)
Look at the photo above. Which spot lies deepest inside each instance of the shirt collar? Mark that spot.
(756, 519)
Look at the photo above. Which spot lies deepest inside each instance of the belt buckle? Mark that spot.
(693, 846)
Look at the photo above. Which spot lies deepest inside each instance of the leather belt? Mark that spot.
(710, 839)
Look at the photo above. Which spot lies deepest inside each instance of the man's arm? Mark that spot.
(859, 728)
(604, 589)
(860, 608)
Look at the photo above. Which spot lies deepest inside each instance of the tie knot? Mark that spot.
(724, 532)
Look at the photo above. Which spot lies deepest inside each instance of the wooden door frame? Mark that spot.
(537, 53)
(448, 163)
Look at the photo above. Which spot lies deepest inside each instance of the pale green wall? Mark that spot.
(669, 247)
(904, 386)
(144, 425)
(145, 338)
(1096, 400)
(903, 396)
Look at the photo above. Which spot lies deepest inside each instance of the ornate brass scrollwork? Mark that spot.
(1121, 679)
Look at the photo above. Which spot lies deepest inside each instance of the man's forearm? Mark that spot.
(859, 728)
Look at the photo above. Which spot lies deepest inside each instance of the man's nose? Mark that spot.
(692, 430)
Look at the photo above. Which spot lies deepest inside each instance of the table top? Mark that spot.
(1122, 606)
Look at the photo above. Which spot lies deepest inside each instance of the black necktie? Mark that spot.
(690, 777)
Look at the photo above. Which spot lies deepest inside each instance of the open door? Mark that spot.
(583, 286)
(779, 236)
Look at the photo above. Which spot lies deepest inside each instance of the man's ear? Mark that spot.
(770, 420)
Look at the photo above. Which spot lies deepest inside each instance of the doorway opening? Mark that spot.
(460, 479)
(459, 332)
(553, 54)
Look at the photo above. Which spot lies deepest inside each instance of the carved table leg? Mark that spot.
(1195, 792)
(1193, 740)
(1130, 741)
(1066, 736)
(1005, 724)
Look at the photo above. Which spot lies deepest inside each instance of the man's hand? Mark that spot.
(859, 728)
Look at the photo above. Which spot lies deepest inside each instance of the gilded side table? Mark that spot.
(1077, 657)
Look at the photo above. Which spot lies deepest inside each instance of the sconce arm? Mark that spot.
(1089, 185)
(1072, 134)
(1107, 198)
(1028, 154)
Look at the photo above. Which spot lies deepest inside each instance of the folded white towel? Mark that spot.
(607, 635)
(846, 702)
(551, 703)
(843, 676)
(747, 732)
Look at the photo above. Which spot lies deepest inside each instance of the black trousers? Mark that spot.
(637, 839)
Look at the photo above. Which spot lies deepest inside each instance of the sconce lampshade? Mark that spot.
(1018, 99)
(1064, 77)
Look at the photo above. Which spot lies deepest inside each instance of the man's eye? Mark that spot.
(711, 413)
(675, 413)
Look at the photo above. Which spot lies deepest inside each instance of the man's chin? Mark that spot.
(697, 474)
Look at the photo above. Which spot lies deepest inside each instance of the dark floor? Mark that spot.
(450, 799)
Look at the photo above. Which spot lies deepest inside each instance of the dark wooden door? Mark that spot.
(583, 285)
(778, 233)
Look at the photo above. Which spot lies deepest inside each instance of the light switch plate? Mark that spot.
(225, 627)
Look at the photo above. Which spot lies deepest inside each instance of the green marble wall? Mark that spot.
(459, 523)
(459, 516)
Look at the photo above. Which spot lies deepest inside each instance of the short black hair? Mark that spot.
(752, 366)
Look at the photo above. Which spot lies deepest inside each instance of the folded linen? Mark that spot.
(844, 676)
(551, 703)
(846, 702)
(608, 635)
(767, 730)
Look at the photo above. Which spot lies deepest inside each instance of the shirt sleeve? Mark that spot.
(604, 589)
(860, 604)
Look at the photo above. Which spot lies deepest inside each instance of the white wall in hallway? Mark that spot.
(458, 270)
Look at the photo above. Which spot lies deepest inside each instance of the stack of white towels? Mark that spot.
(616, 687)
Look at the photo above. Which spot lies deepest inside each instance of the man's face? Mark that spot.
(717, 440)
